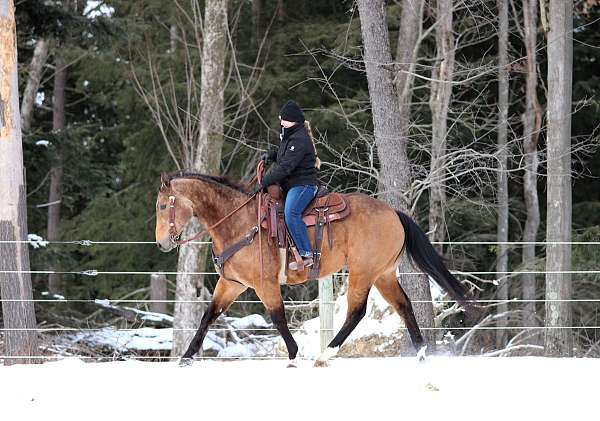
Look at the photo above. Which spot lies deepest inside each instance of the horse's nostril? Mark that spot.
(158, 245)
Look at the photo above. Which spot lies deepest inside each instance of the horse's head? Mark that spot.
(174, 210)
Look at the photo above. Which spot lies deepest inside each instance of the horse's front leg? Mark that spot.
(270, 295)
(225, 293)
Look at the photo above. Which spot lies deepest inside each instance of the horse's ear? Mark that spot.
(164, 180)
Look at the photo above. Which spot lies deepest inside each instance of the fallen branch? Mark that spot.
(137, 316)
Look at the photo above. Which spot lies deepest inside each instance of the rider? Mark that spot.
(295, 169)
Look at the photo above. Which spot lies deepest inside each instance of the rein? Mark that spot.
(260, 171)
(220, 260)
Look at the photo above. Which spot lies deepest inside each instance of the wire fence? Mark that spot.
(42, 243)
(38, 243)
(94, 272)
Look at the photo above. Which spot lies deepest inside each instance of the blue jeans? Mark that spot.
(296, 201)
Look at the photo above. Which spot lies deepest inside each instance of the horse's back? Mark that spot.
(372, 231)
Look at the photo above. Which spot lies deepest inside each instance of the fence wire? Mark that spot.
(38, 243)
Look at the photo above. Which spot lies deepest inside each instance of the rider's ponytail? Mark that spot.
(312, 140)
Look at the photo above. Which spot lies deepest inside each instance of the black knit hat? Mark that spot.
(292, 112)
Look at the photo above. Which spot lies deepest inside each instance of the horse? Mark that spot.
(369, 242)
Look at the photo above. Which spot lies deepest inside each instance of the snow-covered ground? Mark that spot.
(126, 341)
(442, 388)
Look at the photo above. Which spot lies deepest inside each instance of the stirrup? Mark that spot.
(308, 262)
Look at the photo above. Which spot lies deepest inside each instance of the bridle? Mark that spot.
(175, 236)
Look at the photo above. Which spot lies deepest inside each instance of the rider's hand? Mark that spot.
(256, 189)
(269, 156)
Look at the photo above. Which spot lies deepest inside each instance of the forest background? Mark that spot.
(129, 68)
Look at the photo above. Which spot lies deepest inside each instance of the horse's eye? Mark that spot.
(162, 207)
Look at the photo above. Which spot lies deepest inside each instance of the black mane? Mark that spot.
(221, 180)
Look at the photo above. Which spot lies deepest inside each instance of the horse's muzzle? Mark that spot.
(166, 245)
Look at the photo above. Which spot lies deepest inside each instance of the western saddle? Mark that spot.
(322, 211)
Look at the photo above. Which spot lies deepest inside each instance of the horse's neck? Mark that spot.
(213, 202)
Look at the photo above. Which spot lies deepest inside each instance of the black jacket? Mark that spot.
(295, 160)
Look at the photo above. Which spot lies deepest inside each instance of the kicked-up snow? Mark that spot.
(441, 389)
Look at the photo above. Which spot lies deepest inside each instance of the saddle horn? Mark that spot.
(164, 180)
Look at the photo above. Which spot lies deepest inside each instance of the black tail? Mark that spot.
(422, 252)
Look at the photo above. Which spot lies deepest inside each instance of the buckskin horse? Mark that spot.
(369, 242)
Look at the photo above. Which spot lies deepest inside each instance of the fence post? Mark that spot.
(326, 307)
(158, 291)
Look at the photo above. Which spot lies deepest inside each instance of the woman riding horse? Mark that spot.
(295, 169)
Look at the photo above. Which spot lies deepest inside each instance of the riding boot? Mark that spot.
(308, 262)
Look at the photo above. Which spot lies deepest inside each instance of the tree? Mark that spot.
(502, 180)
(439, 101)
(559, 341)
(207, 159)
(15, 288)
(411, 25)
(38, 61)
(55, 195)
(531, 126)
(395, 175)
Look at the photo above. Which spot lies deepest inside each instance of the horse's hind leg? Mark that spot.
(358, 292)
(225, 293)
(390, 289)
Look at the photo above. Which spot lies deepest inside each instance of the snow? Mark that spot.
(39, 98)
(95, 8)
(248, 322)
(54, 296)
(442, 388)
(380, 320)
(260, 348)
(141, 339)
(36, 241)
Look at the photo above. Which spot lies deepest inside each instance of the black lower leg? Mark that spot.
(209, 316)
(408, 315)
(411, 325)
(280, 322)
(349, 325)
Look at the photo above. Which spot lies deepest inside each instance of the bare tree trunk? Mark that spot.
(411, 23)
(439, 101)
(280, 10)
(158, 293)
(257, 18)
(14, 287)
(531, 124)
(391, 144)
(173, 38)
(207, 160)
(40, 55)
(56, 170)
(559, 342)
(502, 194)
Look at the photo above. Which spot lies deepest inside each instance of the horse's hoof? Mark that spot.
(185, 362)
(292, 364)
(321, 363)
(327, 354)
